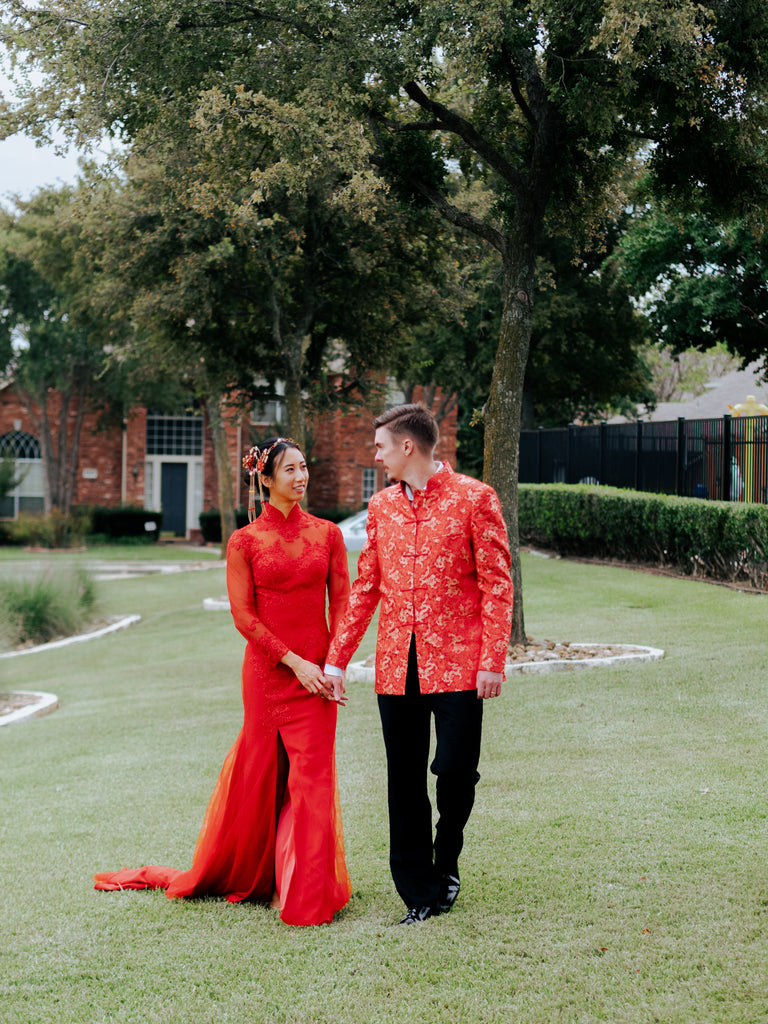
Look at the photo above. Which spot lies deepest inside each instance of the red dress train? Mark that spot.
(258, 833)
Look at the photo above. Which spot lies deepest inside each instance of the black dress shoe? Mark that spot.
(449, 890)
(416, 914)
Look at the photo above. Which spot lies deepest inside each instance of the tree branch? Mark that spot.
(754, 315)
(457, 125)
(451, 213)
(514, 85)
(413, 126)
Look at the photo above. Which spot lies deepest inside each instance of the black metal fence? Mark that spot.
(725, 458)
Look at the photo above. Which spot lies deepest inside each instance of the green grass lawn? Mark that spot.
(615, 868)
(171, 552)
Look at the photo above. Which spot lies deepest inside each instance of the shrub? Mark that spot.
(210, 523)
(8, 478)
(124, 521)
(52, 605)
(716, 539)
(56, 530)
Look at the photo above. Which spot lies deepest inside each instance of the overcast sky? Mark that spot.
(24, 167)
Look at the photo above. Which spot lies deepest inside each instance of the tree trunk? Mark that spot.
(504, 407)
(71, 457)
(215, 409)
(293, 347)
(294, 404)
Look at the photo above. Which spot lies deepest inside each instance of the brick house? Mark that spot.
(167, 462)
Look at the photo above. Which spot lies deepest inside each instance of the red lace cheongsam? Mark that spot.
(255, 836)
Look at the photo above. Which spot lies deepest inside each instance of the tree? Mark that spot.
(700, 281)
(39, 265)
(239, 296)
(545, 102)
(252, 248)
(8, 477)
(588, 354)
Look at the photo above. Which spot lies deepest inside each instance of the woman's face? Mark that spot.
(290, 476)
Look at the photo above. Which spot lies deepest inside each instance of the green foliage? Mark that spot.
(411, 162)
(587, 338)
(8, 478)
(546, 102)
(52, 605)
(56, 530)
(60, 365)
(587, 354)
(700, 280)
(715, 539)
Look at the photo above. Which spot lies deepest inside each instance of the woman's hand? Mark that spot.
(309, 675)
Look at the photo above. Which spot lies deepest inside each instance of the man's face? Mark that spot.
(391, 452)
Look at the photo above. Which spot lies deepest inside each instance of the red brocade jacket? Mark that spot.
(440, 567)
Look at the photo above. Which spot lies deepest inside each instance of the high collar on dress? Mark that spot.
(273, 515)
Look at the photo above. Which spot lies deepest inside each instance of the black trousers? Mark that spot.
(416, 860)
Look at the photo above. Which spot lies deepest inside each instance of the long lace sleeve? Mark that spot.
(338, 580)
(242, 603)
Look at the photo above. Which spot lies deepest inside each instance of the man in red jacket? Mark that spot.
(437, 559)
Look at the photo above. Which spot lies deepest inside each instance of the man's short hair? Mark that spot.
(414, 421)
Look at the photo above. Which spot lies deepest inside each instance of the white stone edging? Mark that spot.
(632, 653)
(216, 604)
(359, 672)
(48, 702)
(45, 703)
(123, 623)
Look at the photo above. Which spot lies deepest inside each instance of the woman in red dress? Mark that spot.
(272, 831)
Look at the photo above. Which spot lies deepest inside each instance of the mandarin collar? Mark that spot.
(434, 483)
(273, 515)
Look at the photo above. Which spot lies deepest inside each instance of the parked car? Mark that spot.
(353, 530)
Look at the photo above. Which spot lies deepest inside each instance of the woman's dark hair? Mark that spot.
(274, 447)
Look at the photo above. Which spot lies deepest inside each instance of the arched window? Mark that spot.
(18, 444)
(27, 495)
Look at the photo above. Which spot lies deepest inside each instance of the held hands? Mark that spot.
(337, 686)
(489, 684)
(313, 679)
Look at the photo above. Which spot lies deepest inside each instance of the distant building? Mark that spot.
(714, 401)
(166, 462)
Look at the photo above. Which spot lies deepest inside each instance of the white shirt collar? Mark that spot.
(409, 489)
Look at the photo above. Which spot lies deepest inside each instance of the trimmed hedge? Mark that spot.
(716, 539)
(210, 523)
(125, 521)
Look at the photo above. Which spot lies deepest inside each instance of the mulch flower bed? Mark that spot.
(13, 701)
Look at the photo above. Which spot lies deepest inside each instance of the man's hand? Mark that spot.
(489, 684)
(337, 688)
